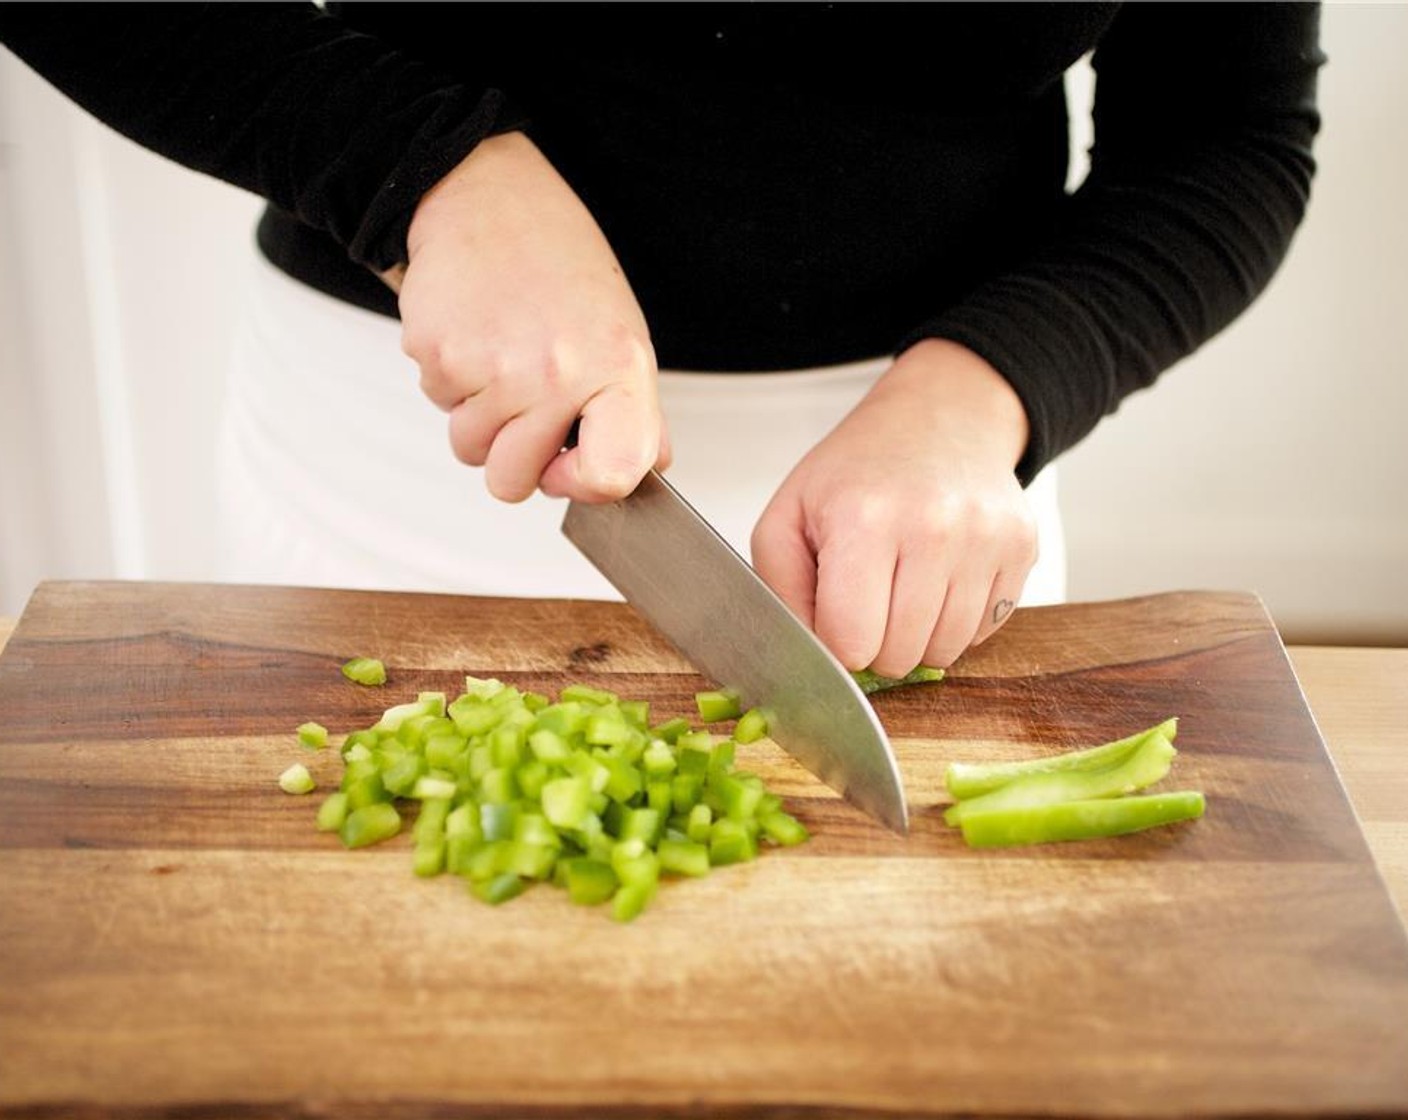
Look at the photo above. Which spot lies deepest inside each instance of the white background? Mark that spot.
(1273, 460)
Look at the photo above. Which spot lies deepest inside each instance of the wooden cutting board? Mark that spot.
(177, 940)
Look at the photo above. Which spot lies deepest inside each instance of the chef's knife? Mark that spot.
(674, 568)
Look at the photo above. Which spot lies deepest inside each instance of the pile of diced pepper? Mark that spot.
(584, 792)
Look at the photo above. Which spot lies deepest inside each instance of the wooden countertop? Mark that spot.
(1359, 697)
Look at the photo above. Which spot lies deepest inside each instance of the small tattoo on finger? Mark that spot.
(1001, 609)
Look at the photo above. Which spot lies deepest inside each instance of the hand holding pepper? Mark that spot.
(904, 536)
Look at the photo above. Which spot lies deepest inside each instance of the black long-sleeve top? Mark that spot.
(786, 185)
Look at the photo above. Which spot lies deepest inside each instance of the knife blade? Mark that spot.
(675, 569)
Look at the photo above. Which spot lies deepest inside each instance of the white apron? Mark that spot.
(335, 471)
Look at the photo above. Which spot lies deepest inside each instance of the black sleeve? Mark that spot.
(330, 125)
(1205, 117)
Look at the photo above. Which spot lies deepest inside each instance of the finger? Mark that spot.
(784, 560)
(522, 450)
(855, 571)
(474, 422)
(447, 374)
(1006, 592)
(666, 454)
(959, 620)
(916, 602)
(619, 441)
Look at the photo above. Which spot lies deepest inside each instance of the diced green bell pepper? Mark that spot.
(364, 670)
(718, 704)
(371, 824)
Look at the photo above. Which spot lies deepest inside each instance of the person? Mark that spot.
(816, 261)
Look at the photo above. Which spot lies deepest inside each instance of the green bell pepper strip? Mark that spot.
(964, 780)
(364, 670)
(871, 682)
(1080, 820)
(1149, 763)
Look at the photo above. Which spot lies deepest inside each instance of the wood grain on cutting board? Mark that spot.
(177, 936)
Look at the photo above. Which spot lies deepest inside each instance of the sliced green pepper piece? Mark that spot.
(698, 826)
(1148, 764)
(364, 670)
(585, 694)
(730, 841)
(683, 857)
(428, 860)
(589, 881)
(370, 824)
(871, 682)
(312, 735)
(430, 823)
(718, 704)
(297, 780)
(332, 812)
(671, 729)
(499, 889)
(567, 802)
(630, 901)
(783, 828)
(752, 725)
(1080, 820)
(966, 779)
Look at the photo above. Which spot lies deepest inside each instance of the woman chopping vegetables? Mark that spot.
(816, 261)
